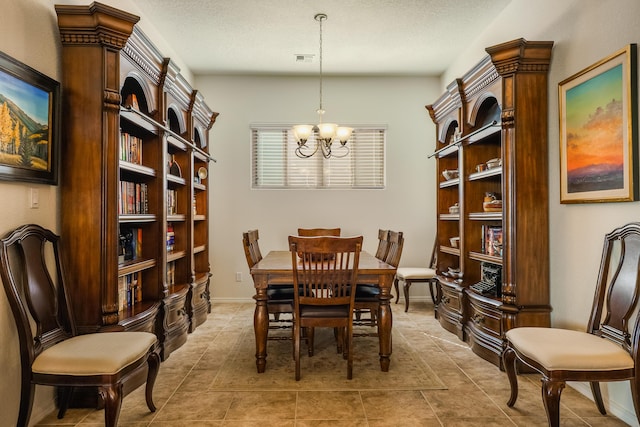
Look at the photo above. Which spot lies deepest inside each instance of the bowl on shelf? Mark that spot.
(450, 174)
(494, 163)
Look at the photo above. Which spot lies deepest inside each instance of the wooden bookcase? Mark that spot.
(128, 115)
(497, 111)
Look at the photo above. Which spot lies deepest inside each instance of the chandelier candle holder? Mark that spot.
(326, 133)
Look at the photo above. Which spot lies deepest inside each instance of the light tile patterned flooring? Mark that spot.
(476, 395)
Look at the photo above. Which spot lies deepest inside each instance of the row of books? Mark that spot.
(129, 290)
(171, 274)
(171, 238)
(134, 198)
(130, 148)
(492, 240)
(172, 202)
(130, 246)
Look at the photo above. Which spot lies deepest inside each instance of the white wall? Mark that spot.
(405, 204)
(584, 32)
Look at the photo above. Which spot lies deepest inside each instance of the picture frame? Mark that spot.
(29, 123)
(599, 131)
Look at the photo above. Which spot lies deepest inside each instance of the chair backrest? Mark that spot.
(33, 295)
(321, 282)
(251, 247)
(617, 289)
(383, 244)
(396, 242)
(311, 232)
(433, 262)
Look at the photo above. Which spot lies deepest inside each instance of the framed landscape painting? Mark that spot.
(29, 123)
(598, 131)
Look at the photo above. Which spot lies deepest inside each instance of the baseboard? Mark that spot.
(612, 406)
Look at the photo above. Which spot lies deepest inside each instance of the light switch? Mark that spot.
(34, 198)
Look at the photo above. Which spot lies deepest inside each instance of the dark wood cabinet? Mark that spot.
(492, 196)
(134, 207)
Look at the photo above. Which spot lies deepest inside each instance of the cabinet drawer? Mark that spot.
(452, 299)
(485, 315)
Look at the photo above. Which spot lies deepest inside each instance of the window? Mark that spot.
(275, 164)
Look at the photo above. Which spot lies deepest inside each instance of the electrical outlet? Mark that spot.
(238, 277)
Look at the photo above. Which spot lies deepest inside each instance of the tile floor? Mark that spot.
(476, 394)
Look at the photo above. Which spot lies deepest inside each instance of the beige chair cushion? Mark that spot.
(559, 349)
(415, 273)
(94, 354)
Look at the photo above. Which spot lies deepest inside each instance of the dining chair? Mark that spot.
(410, 275)
(280, 296)
(52, 353)
(367, 295)
(324, 297)
(310, 232)
(607, 351)
(383, 244)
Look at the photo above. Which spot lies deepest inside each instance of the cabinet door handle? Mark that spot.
(445, 300)
(477, 319)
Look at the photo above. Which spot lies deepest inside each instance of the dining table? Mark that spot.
(276, 268)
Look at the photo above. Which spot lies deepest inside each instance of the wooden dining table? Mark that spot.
(276, 268)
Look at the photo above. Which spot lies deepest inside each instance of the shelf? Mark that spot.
(138, 310)
(449, 150)
(135, 265)
(479, 256)
(175, 255)
(174, 179)
(450, 217)
(489, 130)
(176, 218)
(199, 217)
(139, 119)
(199, 187)
(198, 249)
(450, 250)
(137, 169)
(486, 216)
(450, 183)
(136, 218)
(489, 173)
(178, 142)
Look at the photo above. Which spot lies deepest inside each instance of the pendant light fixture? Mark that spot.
(325, 133)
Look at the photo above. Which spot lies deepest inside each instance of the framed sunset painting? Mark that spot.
(598, 131)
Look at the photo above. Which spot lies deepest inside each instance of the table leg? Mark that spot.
(385, 321)
(261, 322)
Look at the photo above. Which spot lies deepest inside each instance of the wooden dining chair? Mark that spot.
(410, 275)
(383, 244)
(310, 232)
(607, 351)
(279, 296)
(51, 351)
(367, 295)
(324, 297)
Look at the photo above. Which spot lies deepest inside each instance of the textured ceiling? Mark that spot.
(363, 37)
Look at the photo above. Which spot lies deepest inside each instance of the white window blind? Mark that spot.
(275, 164)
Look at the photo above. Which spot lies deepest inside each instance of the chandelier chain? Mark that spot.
(320, 18)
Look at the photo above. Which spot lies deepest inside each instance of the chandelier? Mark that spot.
(326, 133)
